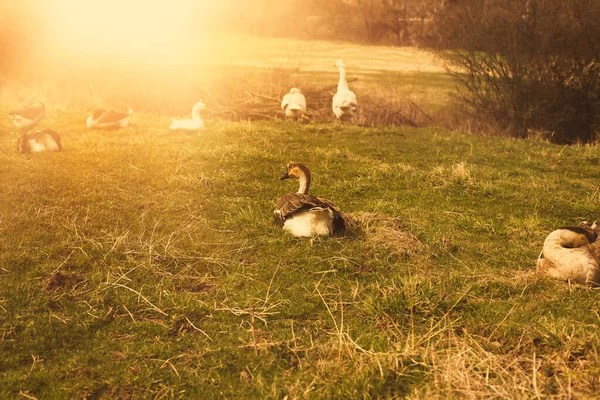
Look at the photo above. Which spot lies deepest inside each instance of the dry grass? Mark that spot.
(386, 231)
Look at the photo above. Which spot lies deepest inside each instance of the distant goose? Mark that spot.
(294, 104)
(28, 117)
(38, 141)
(572, 253)
(344, 102)
(191, 124)
(304, 215)
(108, 119)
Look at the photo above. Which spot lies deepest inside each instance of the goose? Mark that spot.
(38, 141)
(108, 119)
(28, 117)
(294, 104)
(344, 102)
(193, 124)
(304, 215)
(572, 253)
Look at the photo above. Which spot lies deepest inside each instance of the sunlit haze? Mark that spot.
(124, 28)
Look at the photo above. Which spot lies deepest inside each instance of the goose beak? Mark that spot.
(285, 176)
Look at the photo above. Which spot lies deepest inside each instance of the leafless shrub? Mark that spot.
(527, 65)
(262, 100)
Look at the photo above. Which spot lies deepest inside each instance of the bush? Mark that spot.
(527, 65)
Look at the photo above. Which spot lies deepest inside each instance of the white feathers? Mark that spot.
(191, 124)
(294, 104)
(344, 102)
(312, 222)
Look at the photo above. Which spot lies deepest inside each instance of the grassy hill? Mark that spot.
(144, 263)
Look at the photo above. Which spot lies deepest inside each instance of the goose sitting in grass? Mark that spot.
(304, 215)
(38, 141)
(192, 124)
(28, 117)
(294, 104)
(344, 102)
(108, 119)
(572, 253)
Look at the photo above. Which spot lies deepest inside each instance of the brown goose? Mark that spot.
(108, 119)
(38, 141)
(304, 215)
(572, 253)
(28, 117)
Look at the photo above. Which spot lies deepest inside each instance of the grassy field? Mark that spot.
(145, 264)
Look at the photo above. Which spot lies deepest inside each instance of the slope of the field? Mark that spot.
(143, 263)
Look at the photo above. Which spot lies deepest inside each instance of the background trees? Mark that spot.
(527, 65)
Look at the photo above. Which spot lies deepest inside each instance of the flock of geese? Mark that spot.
(569, 253)
(344, 106)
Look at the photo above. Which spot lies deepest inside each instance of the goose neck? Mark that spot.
(304, 182)
(342, 84)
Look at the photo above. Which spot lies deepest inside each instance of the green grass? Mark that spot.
(141, 263)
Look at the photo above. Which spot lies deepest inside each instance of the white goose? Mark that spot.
(108, 119)
(191, 124)
(344, 102)
(38, 141)
(294, 104)
(572, 253)
(304, 215)
(28, 117)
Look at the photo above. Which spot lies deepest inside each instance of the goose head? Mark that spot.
(340, 64)
(298, 171)
(295, 91)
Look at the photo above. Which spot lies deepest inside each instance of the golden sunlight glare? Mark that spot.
(124, 28)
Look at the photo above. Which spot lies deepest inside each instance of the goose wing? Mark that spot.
(290, 203)
(31, 112)
(110, 116)
(297, 101)
(345, 100)
(286, 101)
(339, 224)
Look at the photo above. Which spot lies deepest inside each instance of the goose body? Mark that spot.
(304, 215)
(38, 141)
(573, 254)
(191, 124)
(294, 104)
(28, 117)
(344, 103)
(108, 119)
